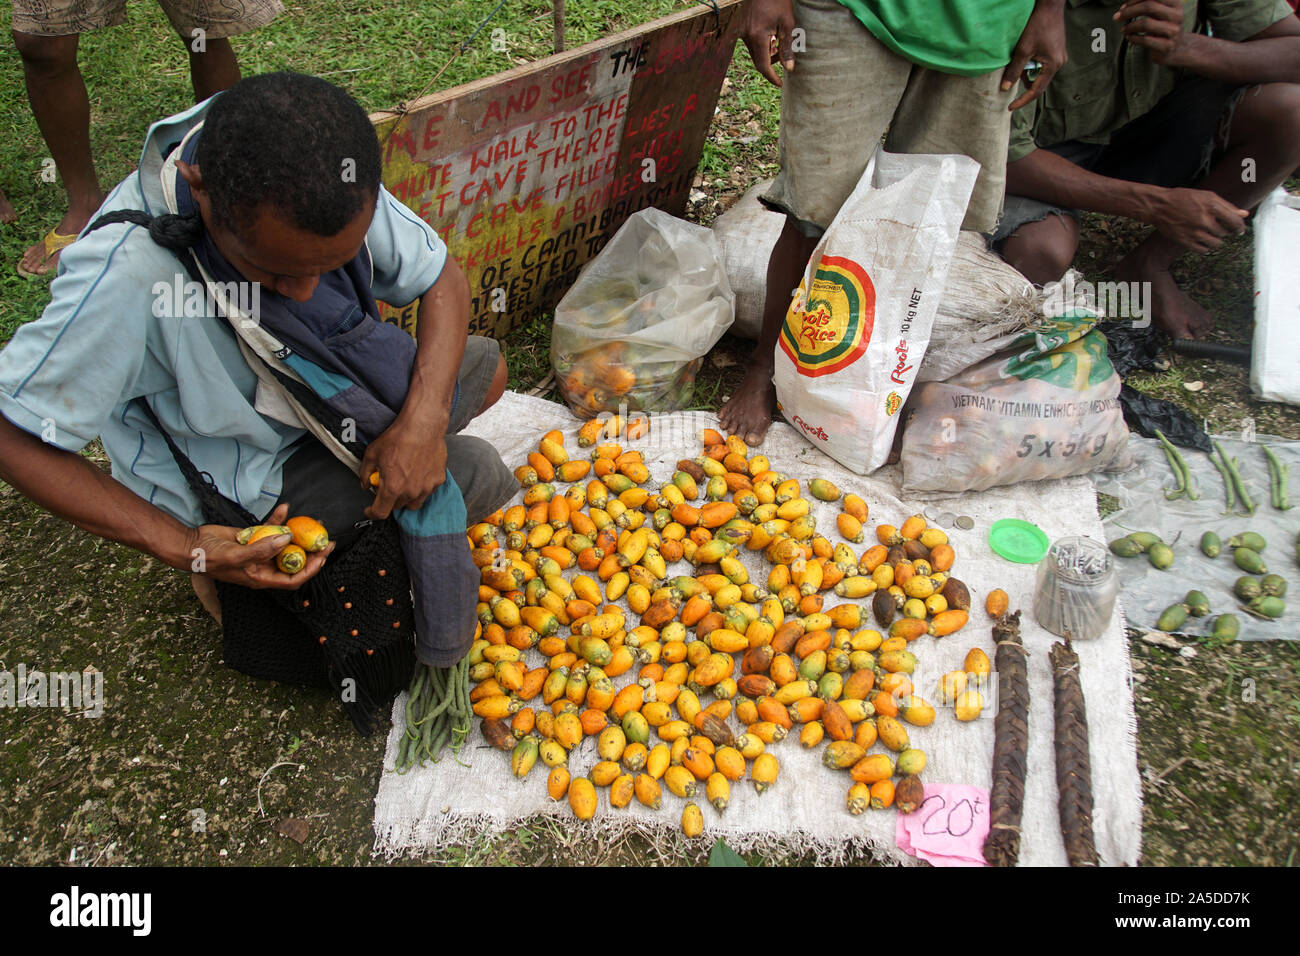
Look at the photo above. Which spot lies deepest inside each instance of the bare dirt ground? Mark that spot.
(192, 763)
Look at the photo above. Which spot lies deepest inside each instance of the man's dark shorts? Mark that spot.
(318, 484)
(1173, 145)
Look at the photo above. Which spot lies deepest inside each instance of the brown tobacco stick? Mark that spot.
(1010, 744)
(1073, 770)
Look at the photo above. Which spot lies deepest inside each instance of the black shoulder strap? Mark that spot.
(216, 507)
(175, 233)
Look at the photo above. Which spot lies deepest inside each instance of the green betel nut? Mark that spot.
(1145, 539)
(1248, 539)
(1267, 606)
(1274, 585)
(1249, 560)
(1211, 545)
(1161, 556)
(1247, 588)
(1226, 627)
(1125, 547)
(1174, 617)
(1198, 605)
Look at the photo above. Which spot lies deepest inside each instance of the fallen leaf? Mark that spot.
(293, 828)
(723, 855)
(1193, 386)
(1161, 640)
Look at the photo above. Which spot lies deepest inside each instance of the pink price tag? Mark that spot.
(949, 827)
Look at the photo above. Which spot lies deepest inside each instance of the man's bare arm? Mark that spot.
(1274, 60)
(1270, 56)
(1043, 39)
(442, 329)
(1197, 219)
(411, 454)
(74, 489)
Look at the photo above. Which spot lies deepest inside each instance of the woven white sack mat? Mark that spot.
(427, 810)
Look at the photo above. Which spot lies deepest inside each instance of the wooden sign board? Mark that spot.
(527, 174)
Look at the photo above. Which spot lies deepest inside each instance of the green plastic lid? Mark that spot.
(1018, 541)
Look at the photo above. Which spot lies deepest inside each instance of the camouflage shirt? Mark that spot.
(1107, 81)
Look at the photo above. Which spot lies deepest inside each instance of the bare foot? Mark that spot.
(206, 590)
(36, 261)
(7, 213)
(748, 412)
(1172, 309)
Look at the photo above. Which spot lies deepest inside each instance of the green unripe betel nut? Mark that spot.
(1249, 560)
(1161, 556)
(1211, 545)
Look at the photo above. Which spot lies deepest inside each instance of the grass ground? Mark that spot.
(194, 764)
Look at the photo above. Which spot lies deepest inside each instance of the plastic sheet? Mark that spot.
(1146, 591)
(429, 808)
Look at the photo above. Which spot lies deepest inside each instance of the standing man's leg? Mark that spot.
(749, 411)
(214, 69)
(835, 106)
(61, 106)
(966, 115)
(205, 29)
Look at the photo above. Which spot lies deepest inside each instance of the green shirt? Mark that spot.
(965, 37)
(1107, 81)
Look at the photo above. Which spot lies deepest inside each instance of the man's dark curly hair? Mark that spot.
(291, 142)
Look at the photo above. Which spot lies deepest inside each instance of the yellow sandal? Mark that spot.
(54, 244)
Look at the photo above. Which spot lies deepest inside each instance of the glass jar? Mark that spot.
(1076, 590)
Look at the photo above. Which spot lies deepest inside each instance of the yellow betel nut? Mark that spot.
(292, 559)
(969, 705)
(692, 820)
(258, 532)
(918, 586)
(308, 533)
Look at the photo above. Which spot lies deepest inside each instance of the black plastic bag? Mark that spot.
(1146, 413)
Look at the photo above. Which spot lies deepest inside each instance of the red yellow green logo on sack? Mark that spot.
(828, 328)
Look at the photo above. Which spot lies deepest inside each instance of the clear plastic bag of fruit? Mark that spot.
(635, 327)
